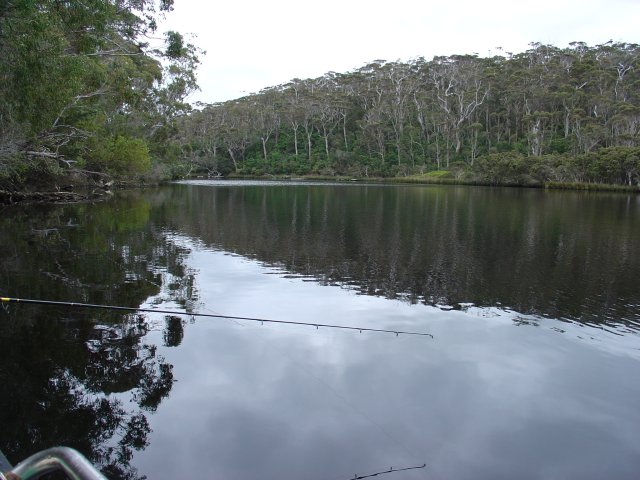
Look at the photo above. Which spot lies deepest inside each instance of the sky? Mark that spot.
(254, 44)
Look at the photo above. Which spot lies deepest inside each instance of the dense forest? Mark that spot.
(547, 114)
(88, 90)
(91, 91)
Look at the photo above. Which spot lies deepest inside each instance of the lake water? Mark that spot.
(531, 296)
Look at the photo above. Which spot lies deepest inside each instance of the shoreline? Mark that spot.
(432, 180)
(99, 194)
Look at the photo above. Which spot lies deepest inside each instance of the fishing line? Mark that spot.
(391, 470)
(6, 300)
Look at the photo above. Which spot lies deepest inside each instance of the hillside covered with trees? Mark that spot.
(88, 90)
(91, 91)
(547, 114)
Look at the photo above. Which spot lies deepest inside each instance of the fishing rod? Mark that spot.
(208, 315)
(391, 470)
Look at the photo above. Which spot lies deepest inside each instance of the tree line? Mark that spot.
(91, 90)
(88, 89)
(547, 114)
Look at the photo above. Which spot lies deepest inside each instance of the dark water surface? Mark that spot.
(532, 298)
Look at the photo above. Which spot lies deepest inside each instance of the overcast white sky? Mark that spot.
(252, 44)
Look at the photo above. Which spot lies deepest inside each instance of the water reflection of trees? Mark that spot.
(556, 254)
(85, 378)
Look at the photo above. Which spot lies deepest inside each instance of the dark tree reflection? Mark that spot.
(45, 403)
(560, 254)
(173, 331)
(66, 374)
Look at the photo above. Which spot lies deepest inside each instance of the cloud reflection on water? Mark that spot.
(481, 400)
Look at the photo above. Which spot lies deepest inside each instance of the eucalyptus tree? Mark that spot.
(371, 92)
(238, 131)
(329, 111)
(293, 109)
(460, 89)
(625, 126)
(399, 84)
(428, 116)
(623, 58)
(374, 133)
(534, 78)
(76, 76)
(621, 63)
(267, 115)
(571, 94)
(200, 139)
(212, 125)
(582, 97)
(309, 105)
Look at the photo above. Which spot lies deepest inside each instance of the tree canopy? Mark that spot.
(82, 81)
(549, 113)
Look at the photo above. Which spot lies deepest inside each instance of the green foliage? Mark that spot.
(438, 173)
(498, 168)
(607, 166)
(121, 156)
(616, 165)
(79, 81)
(175, 45)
